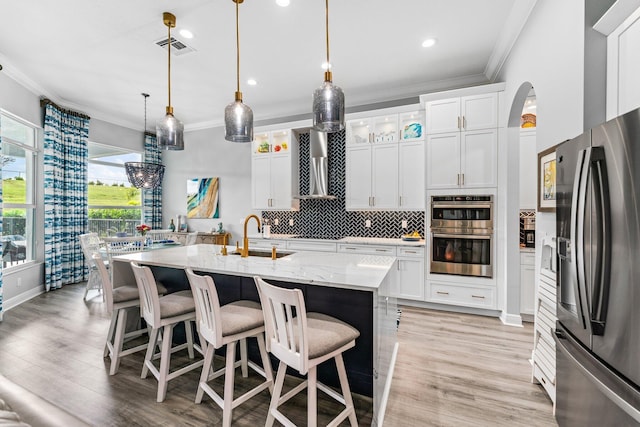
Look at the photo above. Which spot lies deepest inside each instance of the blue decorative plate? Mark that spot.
(413, 130)
(410, 239)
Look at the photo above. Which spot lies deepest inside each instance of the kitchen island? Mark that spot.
(354, 288)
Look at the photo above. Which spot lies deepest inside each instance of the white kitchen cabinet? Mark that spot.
(274, 171)
(462, 114)
(411, 184)
(373, 130)
(461, 294)
(527, 283)
(528, 169)
(315, 246)
(410, 273)
(258, 243)
(385, 162)
(372, 176)
(462, 159)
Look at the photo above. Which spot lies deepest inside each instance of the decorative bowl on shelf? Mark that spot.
(410, 239)
(412, 130)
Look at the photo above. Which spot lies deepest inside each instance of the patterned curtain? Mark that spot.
(1, 216)
(65, 195)
(152, 198)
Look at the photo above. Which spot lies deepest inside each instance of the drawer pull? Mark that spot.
(381, 250)
(442, 293)
(543, 380)
(477, 296)
(351, 249)
(410, 252)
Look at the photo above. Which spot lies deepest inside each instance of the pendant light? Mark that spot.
(328, 99)
(238, 117)
(169, 130)
(144, 174)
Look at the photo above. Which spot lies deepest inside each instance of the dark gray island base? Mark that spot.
(349, 287)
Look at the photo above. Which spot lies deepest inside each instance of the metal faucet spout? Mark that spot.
(244, 251)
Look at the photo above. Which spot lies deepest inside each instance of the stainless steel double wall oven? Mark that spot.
(462, 235)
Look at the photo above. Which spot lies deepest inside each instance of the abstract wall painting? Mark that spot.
(203, 198)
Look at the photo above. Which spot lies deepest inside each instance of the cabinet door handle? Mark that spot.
(458, 180)
(462, 178)
(477, 296)
(373, 200)
(400, 201)
(464, 122)
(442, 293)
(370, 137)
(458, 122)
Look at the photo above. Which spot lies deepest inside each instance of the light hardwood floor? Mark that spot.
(452, 370)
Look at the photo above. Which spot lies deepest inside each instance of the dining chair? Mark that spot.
(228, 325)
(119, 300)
(159, 235)
(90, 243)
(302, 341)
(163, 313)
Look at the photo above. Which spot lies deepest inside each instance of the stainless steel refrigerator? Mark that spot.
(598, 228)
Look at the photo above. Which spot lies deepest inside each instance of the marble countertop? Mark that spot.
(348, 239)
(349, 271)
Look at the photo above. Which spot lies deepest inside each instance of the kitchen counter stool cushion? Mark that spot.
(303, 342)
(163, 313)
(228, 325)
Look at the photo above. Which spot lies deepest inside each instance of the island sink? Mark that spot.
(263, 254)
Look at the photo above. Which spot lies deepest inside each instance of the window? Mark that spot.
(114, 205)
(18, 157)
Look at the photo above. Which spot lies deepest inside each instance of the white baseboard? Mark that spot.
(8, 304)
(511, 319)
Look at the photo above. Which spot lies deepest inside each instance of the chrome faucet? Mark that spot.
(244, 251)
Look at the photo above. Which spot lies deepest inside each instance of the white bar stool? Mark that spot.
(118, 301)
(227, 325)
(164, 313)
(302, 341)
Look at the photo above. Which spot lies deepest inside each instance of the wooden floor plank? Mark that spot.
(452, 370)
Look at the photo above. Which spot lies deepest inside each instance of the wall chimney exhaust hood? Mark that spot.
(318, 167)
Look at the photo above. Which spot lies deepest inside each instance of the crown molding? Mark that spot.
(514, 24)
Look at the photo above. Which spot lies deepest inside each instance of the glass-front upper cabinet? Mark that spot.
(278, 141)
(380, 129)
(411, 126)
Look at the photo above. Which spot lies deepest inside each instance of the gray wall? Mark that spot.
(553, 61)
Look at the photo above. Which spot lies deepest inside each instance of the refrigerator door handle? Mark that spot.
(560, 340)
(578, 206)
(601, 282)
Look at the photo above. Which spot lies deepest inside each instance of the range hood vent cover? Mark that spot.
(318, 167)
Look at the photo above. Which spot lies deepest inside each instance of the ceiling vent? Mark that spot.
(178, 47)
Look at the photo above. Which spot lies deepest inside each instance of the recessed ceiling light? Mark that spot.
(186, 34)
(326, 65)
(252, 82)
(283, 3)
(428, 42)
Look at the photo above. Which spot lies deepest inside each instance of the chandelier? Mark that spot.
(144, 175)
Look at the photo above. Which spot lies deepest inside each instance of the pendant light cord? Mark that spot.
(237, 48)
(169, 62)
(327, 31)
(146, 95)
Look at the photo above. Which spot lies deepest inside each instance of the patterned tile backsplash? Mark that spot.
(329, 218)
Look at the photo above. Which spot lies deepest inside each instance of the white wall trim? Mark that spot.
(10, 303)
(511, 319)
(516, 21)
(615, 16)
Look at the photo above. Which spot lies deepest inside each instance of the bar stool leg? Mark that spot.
(312, 398)
(148, 358)
(277, 391)
(228, 384)
(112, 327)
(165, 358)
(266, 362)
(346, 391)
(206, 368)
(189, 333)
(243, 358)
(118, 341)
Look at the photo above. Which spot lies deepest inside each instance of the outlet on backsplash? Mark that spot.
(367, 223)
(276, 222)
(404, 223)
(291, 222)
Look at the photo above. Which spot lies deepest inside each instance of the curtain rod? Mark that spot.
(45, 101)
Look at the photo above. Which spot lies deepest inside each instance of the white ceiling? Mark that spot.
(98, 57)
